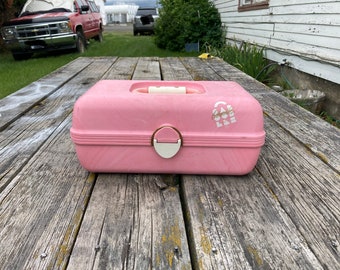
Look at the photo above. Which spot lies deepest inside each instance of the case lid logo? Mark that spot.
(223, 114)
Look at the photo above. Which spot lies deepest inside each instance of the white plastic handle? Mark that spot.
(167, 90)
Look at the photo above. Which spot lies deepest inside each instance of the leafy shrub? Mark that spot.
(188, 21)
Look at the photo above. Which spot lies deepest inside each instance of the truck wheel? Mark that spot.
(81, 42)
(21, 56)
(99, 38)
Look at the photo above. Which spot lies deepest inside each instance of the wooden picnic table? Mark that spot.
(55, 215)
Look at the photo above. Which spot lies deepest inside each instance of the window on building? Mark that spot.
(244, 5)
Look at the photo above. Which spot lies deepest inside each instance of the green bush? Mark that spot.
(188, 21)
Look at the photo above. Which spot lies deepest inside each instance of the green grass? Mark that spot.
(17, 74)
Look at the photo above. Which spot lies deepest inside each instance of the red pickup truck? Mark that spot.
(47, 25)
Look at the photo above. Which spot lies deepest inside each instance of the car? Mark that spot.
(144, 20)
(52, 25)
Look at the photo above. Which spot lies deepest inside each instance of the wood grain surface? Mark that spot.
(56, 215)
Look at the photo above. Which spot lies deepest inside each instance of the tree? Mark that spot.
(7, 11)
(188, 21)
(4, 4)
(8, 8)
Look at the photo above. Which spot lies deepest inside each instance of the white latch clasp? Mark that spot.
(166, 141)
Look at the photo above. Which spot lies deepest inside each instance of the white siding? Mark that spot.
(305, 32)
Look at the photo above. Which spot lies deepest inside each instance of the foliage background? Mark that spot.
(8, 8)
(188, 21)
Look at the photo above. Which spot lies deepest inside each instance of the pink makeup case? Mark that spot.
(184, 127)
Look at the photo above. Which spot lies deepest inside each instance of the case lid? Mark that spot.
(204, 113)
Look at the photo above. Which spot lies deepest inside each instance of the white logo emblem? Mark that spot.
(223, 114)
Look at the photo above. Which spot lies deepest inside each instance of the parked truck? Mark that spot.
(49, 25)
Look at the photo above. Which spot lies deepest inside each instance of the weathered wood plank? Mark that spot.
(200, 70)
(173, 70)
(41, 215)
(307, 190)
(13, 106)
(237, 224)
(132, 222)
(122, 69)
(147, 69)
(315, 134)
(230, 73)
(19, 142)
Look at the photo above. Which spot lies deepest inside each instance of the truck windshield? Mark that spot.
(40, 6)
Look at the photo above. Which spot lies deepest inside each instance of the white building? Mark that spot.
(120, 13)
(305, 32)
